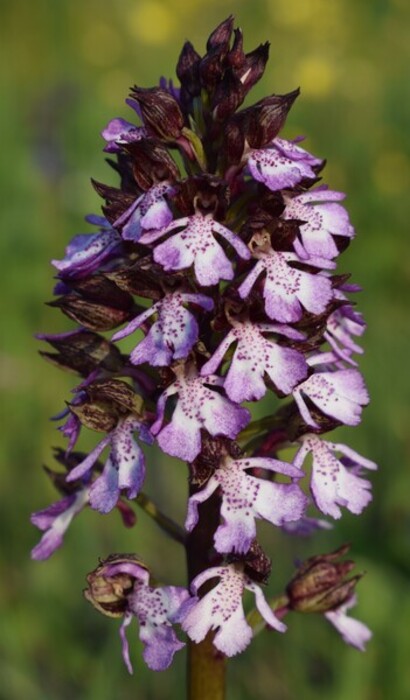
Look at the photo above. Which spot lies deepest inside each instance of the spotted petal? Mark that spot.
(283, 164)
(254, 356)
(221, 609)
(172, 336)
(196, 245)
(340, 394)
(245, 498)
(198, 407)
(324, 219)
(287, 290)
(150, 211)
(332, 483)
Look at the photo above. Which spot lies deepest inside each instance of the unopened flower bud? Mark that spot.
(188, 69)
(160, 111)
(93, 316)
(151, 164)
(254, 66)
(110, 584)
(221, 35)
(320, 585)
(258, 125)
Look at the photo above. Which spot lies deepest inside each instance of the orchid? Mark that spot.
(212, 282)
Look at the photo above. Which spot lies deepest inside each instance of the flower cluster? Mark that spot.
(220, 263)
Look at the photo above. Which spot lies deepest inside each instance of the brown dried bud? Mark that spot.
(160, 111)
(320, 585)
(136, 280)
(258, 566)
(95, 317)
(82, 351)
(117, 392)
(110, 584)
(95, 416)
(102, 290)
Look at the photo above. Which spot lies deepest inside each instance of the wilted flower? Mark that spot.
(120, 586)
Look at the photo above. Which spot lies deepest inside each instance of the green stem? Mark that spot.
(206, 666)
(163, 521)
(206, 671)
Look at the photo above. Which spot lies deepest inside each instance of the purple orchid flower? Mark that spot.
(341, 395)
(149, 212)
(173, 335)
(332, 483)
(341, 325)
(88, 251)
(55, 520)
(198, 407)
(246, 497)
(256, 355)
(119, 132)
(124, 468)
(282, 164)
(196, 245)
(324, 219)
(154, 608)
(287, 290)
(221, 609)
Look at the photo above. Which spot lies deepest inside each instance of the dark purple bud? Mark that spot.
(160, 111)
(152, 163)
(221, 35)
(268, 118)
(188, 69)
(320, 584)
(236, 56)
(258, 125)
(117, 201)
(228, 96)
(254, 66)
(110, 584)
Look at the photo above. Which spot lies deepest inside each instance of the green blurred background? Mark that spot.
(66, 69)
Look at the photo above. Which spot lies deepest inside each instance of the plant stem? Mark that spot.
(163, 521)
(206, 671)
(206, 666)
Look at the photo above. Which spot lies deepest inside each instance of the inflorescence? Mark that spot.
(217, 253)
